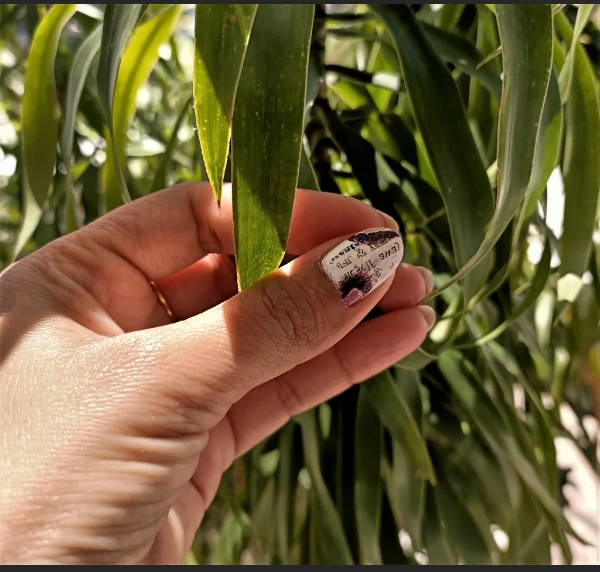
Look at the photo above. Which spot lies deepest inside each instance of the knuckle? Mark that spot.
(294, 315)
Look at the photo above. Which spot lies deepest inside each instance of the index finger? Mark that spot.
(167, 231)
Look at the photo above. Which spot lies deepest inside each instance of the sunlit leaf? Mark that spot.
(136, 63)
(267, 136)
(119, 21)
(221, 39)
(39, 119)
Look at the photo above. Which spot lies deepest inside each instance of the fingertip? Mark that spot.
(428, 314)
(388, 221)
(427, 278)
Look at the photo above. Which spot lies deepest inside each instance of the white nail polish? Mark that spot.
(362, 262)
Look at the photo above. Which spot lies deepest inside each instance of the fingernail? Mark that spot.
(389, 221)
(427, 278)
(362, 262)
(429, 315)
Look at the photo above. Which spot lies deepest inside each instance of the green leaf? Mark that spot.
(38, 112)
(330, 532)
(307, 178)
(546, 151)
(368, 493)
(160, 178)
(435, 536)
(287, 479)
(139, 58)
(262, 517)
(526, 36)
(267, 136)
(119, 21)
(538, 283)
(442, 122)
(565, 79)
(31, 217)
(396, 416)
(463, 532)
(580, 166)
(408, 489)
(449, 15)
(79, 73)
(77, 77)
(494, 428)
(465, 56)
(221, 39)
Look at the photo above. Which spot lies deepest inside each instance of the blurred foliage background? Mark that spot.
(448, 457)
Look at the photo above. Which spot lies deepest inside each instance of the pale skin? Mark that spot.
(117, 423)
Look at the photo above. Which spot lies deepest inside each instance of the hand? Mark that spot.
(117, 424)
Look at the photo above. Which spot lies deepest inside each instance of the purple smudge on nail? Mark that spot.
(376, 238)
(361, 281)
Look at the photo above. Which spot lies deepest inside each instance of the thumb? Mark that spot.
(285, 319)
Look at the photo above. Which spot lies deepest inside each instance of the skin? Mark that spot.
(117, 424)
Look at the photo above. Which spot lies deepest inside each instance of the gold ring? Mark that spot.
(163, 301)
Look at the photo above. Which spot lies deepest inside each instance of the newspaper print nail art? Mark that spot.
(362, 262)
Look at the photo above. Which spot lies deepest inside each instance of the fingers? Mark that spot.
(168, 231)
(212, 280)
(285, 319)
(368, 349)
(371, 347)
(199, 287)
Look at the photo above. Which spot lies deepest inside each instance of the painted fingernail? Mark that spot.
(429, 315)
(427, 278)
(362, 262)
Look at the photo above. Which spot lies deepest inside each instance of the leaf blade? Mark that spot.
(268, 116)
(395, 414)
(368, 492)
(119, 21)
(580, 166)
(221, 39)
(138, 60)
(526, 36)
(442, 122)
(40, 124)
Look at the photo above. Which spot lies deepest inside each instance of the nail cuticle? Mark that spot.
(363, 262)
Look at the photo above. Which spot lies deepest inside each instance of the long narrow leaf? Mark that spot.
(329, 526)
(565, 79)
(546, 151)
(494, 428)
(267, 136)
(38, 118)
(367, 485)
(581, 166)
(79, 73)
(538, 283)
(221, 39)
(396, 415)
(139, 58)
(119, 21)
(526, 36)
(160, 178)
(464, 55)
(442, 121)
(40, 123)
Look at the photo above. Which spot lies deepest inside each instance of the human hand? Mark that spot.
(117, 424)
